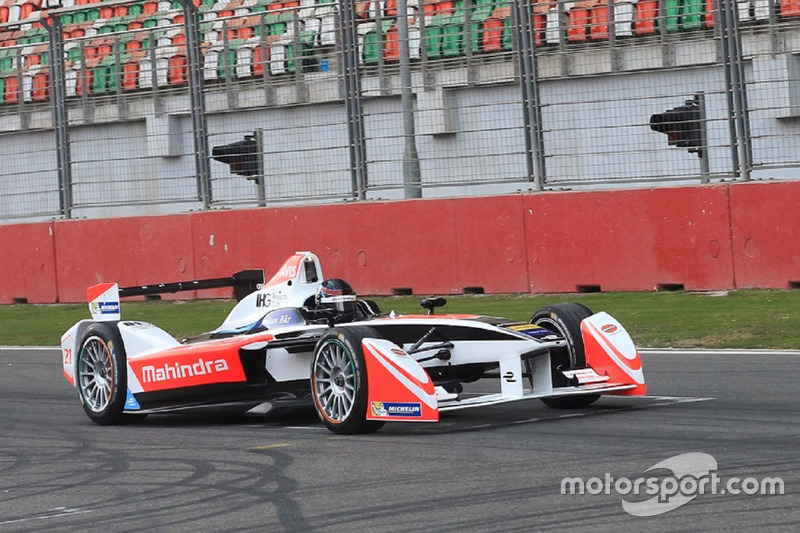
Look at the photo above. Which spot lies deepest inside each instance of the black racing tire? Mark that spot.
(565, 321)
(101, 375)
(339, 381)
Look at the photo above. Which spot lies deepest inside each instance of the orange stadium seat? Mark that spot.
(130, 75)
(578, 21)
(392, 46)
(41, 86)
(150, 8)
(493, 35)
(12, 90)
(259, 61)
(178, 74)
(28, 8)
(790, 8)
(598, 21)
(646, 17)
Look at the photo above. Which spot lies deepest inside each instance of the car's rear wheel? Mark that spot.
(102, 375)
(339, 381)
(565, 321)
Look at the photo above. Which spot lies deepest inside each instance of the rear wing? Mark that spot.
(243, 283)
(104, 298)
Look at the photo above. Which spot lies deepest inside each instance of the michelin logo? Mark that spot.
(105, 308)
(396, 409)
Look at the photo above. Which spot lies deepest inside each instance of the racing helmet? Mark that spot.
(336, 294)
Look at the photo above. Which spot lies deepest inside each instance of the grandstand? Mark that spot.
(280, 69)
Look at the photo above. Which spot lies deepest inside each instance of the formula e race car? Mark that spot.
(301, 339)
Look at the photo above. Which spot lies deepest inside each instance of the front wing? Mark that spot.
(400, 390)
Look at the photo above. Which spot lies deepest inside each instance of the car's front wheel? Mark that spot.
(339, 381)
(102, 376)
(565, 321)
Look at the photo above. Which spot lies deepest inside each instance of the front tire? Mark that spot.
(565, 321)
(101, 377)
(339, 381)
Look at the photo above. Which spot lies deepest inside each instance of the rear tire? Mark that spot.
(101, 376)
(339, 381)
(565, 321)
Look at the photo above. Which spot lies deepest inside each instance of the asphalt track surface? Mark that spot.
(497, 468)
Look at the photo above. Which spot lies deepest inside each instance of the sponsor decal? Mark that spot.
(285, 317)
(399, 353)
(130, 402)
(137, 326)
(288, 271)
(167, 372)
(269, 299)
(531, 330)
(610, 328)
(399, 409)
(105, 308)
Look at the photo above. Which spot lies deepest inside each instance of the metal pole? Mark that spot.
(352, 85)
(412, 178)
(700, 100)
(260, 179)
(741, 155)
(526, 55)
(740, 93)
(58, 86)
(194, 61)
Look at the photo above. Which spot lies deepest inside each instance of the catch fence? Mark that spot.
(130, 107)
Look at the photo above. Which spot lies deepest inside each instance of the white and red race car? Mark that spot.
(277, 348)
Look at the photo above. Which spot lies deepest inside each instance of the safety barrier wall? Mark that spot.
(700, 238)
(630, 240)
(28, 263)
(765, 224)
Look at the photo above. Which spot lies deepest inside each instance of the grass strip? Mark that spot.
(766, 319)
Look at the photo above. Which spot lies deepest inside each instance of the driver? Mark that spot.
(337, 295)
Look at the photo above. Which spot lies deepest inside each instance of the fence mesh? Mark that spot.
(124, 138)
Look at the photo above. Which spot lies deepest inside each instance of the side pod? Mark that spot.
(398, 388)
(610, 351)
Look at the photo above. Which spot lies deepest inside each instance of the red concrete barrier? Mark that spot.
(128, 251)
(691, 237)
(632, 240)
(765, 225)
(28, 264)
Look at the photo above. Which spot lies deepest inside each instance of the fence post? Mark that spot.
(531, 113)
(58, 86)
(412, 179)
(194, 59)
(738, 119)
(352, 87)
